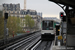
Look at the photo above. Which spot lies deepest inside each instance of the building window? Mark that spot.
(35, 13)
(15, 6)
(13, 12)
(3, 5)
(11, 9)
(9, 5)
(18, 6)
(25, 13)
(18, 12)
(7, 9)
(15, 9)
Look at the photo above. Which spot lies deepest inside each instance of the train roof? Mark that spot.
(51, 18)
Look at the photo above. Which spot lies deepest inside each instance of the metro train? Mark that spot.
(48, 29)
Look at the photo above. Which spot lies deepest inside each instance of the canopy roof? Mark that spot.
(70, 3)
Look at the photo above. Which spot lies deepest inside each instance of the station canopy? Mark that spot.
(70, 3)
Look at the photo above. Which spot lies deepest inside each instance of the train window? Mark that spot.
(47, 25)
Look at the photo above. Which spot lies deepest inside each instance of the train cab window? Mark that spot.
(47, 25)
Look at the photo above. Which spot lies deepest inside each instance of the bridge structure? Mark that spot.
(69, 8)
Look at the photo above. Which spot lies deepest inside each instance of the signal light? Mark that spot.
(61, 14)
(6, 15)
(64, 18)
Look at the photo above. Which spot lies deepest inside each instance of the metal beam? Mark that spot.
(70, 3)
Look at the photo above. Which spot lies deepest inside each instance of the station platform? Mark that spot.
(59, 47)
(62, 48)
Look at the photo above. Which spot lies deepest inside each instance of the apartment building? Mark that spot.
(32, 13)
(11, 9)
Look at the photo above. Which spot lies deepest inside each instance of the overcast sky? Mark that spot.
(49, 9)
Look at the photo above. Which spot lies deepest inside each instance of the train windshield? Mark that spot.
(47, 25)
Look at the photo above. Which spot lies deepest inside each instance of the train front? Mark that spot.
(48, 30)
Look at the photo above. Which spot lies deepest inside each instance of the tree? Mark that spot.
(13, 24)
(29, 22)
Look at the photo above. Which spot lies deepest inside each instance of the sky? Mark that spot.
(48, 9)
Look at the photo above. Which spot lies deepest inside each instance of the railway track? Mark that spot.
(31, 42)
(16, 39)
(23, 43)
(42, 45)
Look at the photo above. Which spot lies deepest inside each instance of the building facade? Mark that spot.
(11, 9)
(40, 14)
(33, 14)
(1, 7)
(14, 10)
